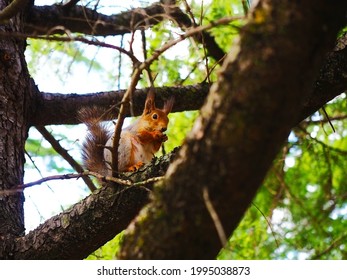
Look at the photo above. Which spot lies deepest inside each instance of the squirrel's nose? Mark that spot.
(163, 129)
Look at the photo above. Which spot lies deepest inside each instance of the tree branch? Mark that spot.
(76, 233)
(42, 20)
(331, 82)
(204, 37)
(54, 108)
(64, 153)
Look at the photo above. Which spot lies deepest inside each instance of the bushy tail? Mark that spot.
(94, 144)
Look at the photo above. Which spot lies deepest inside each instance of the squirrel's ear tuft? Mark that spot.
(149, 104)
(168, 105)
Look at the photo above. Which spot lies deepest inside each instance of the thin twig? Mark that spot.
(148, 181)
(122, 182)
(69, 38)
(121, 117)
(37, 168)
(269, 224)
(337, 242)
(110, 178)
(217, 222)
(20, 188)
(328, 118)
(190, 13)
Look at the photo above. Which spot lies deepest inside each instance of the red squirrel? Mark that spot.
(138, 143)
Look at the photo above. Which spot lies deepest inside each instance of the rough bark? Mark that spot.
(55, 108)
(89, 224)
(331, 81)
(14, 95)
(240, 130)
(42, 20)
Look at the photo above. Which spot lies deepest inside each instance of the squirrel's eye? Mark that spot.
(155, 116)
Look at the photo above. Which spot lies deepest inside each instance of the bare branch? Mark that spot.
(64, 153)
(106, 179)
(69, 38)
(79, 231)
(121, 117)
(203, 37)
(59, 236)
(54, 108)
(41, 19)
(331, 82)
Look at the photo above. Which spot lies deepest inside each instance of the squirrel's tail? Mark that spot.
(94, 144)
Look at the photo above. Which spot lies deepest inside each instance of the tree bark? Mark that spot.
(14, 106)
(89, 224)
(55, 108)
(45, 20)
(240, 131)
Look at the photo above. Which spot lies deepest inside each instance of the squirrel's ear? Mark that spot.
(149, 104)
(168, 105)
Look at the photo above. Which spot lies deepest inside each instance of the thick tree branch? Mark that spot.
(76, 233)
(42, 20)
(62, 108)
(332, 81)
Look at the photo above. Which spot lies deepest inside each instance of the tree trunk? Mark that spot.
(14, 97)
(241, 129)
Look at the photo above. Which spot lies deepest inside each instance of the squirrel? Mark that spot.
(138, 142)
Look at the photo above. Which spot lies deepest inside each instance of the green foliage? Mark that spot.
(303, 197)
(108, 251)
(179, 126)
(39, 150)
(184, 64)
(225, 35)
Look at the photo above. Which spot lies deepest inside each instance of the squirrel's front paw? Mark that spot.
(135, 167)
(159, 136)
(163, 138)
